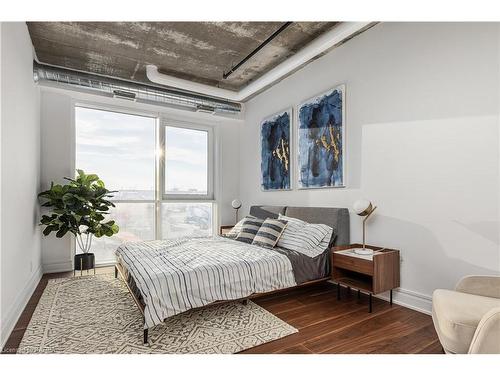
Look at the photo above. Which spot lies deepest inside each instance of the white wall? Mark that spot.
(57, 155)
(20, 175)
(422, 105)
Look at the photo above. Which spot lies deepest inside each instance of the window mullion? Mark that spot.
(159, 175)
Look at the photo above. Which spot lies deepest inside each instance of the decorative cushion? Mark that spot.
(305, 238)
(269, 232)
(233, 233)
(249, 229)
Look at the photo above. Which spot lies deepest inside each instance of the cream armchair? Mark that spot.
(467, 319)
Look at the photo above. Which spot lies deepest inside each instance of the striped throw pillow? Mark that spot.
(249, 229)
(233, 233)
(269, 233)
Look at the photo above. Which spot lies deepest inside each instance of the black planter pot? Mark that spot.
(85, 261)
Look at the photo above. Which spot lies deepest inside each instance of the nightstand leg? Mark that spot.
(391, 297)
(116, 272)
(370, 304)
(338, 292)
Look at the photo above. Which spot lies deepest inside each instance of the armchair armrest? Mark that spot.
(487, 286)
(486, 339)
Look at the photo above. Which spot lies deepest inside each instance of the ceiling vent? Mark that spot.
(124, 95)
(141, 93)
(205, 109)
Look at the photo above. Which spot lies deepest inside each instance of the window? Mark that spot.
(186, 163)
(120, 148)
(160, 195)
(188, 157)
(186, 219)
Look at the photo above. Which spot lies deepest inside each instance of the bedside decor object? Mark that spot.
(364, 207)
(79, 207)
(373, 274)
(275, 151)
(321, 140)
(236, 204)
(225, 231)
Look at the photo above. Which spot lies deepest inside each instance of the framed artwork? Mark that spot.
(321, 140)
(275, 151)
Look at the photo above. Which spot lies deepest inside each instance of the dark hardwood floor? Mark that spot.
(325, 325)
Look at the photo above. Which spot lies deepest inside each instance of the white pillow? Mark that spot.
(290, 238)
(305, 238)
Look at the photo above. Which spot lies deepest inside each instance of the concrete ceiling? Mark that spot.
(198, 51)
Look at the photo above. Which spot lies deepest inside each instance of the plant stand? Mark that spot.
(85, 261)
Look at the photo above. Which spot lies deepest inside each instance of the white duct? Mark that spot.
(318, 46)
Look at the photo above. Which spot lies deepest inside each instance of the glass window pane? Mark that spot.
(186, 161)
(186, 220)
(118, 147)
(136, 222)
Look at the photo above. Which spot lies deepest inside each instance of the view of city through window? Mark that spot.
(120, 148)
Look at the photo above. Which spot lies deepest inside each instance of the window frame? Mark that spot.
(209, 196)
(162, 119)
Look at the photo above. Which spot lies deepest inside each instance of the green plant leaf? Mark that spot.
(80, 203)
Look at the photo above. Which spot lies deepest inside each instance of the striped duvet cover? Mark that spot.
(174, 276)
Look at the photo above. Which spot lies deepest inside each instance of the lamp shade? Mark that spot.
(236, 203)
(362, 207)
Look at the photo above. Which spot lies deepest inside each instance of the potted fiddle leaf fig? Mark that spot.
(79, 207)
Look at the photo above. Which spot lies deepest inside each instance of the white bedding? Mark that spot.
(177, 275)
(305, 238)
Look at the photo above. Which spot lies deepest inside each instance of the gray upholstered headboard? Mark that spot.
(337, 218)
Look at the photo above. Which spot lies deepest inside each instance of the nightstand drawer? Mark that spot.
(353, 264)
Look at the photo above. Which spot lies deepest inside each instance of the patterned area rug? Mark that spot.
(96, 314)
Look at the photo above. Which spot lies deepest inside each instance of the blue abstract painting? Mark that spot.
(275, 151)
(321, 140)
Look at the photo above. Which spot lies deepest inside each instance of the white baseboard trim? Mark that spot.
(58, 267)
(408, 298)
(11, 317)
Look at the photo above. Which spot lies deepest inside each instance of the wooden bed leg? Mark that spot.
(245, 302)
(116, 272)
(146, 336)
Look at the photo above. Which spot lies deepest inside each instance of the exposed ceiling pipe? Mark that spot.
(131, 90)
(318, 46)
(260, 46)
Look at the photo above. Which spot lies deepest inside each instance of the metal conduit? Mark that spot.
(132, 91)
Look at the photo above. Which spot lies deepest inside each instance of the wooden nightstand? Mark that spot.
(224, 229)
(373, 275)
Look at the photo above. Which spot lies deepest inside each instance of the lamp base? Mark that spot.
(361, 251)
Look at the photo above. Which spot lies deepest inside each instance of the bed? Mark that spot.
(168, 277)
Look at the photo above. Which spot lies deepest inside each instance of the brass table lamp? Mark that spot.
(364, 207)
